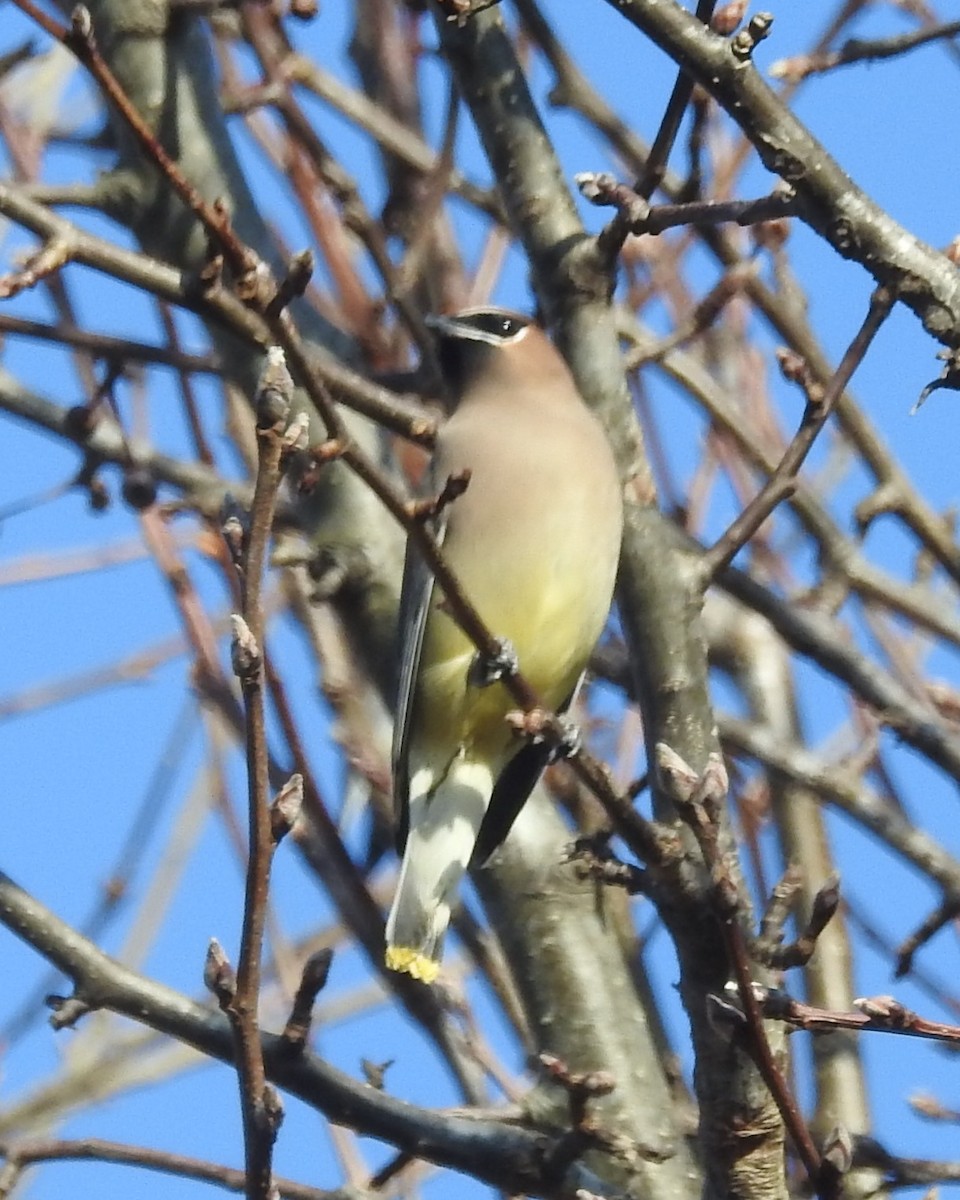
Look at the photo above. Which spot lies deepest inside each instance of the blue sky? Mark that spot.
(76, 771)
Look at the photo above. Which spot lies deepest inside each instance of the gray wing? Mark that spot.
(416, 592)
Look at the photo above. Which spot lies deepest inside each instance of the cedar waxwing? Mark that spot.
(534, 541)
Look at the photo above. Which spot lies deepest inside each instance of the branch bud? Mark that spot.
(274, 391)
(218, 975)
(286, 808)
(314, 978)
(297, 434)
(244, 652)
(294, 283)
(746, 41)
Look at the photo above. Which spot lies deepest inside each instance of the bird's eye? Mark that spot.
(498, 325)
(505, 327)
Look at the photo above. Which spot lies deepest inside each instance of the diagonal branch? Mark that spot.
(502, 1155)
(816, 414)
(830, 202)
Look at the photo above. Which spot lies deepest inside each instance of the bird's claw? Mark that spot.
(485, 669)
(570, 742)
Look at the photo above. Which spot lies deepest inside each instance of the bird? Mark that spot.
(534, 541)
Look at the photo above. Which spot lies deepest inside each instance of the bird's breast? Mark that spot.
(534, 544)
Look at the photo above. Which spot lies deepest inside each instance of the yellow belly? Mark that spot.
(452, 715)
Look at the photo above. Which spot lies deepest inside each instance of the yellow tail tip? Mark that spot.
(412, 962)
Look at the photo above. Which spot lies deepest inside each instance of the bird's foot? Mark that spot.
(485, 669)
(569, 741)
(539, 726)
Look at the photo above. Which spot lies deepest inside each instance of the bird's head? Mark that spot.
(480, 342)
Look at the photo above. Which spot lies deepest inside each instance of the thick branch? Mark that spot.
(831, 203)
(503, 1156)
(659, 608)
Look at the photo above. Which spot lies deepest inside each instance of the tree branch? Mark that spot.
(502, 1155)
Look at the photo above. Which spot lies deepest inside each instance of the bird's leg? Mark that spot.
(486, 669)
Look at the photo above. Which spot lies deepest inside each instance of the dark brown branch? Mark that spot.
(855, 50)
(649, 841)
(260, 1114)
(699, 799)
(312, 981)
(460, 11)
(877, 1014)
(594, 859)
(901, 1172)
(502, 1155)
(29, 1152)
(831, 203)
(203, 487)
(942, 915)
(656, 164)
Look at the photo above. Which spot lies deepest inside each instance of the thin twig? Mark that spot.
(801, 66)
(260, 1108)
(656, 164)
(493, 1151)
(782, 482)
(878, 1014)
(80, 40)
(942, 915)
(38, 1150)
(113, 349)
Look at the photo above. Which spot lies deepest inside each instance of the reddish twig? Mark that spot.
(259, 293)
(81, 41)
(783, 481)
(20, 1155)
(877, 1014)
(942, 915)
(51, 256)
(260, 1103)
(801, 66)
